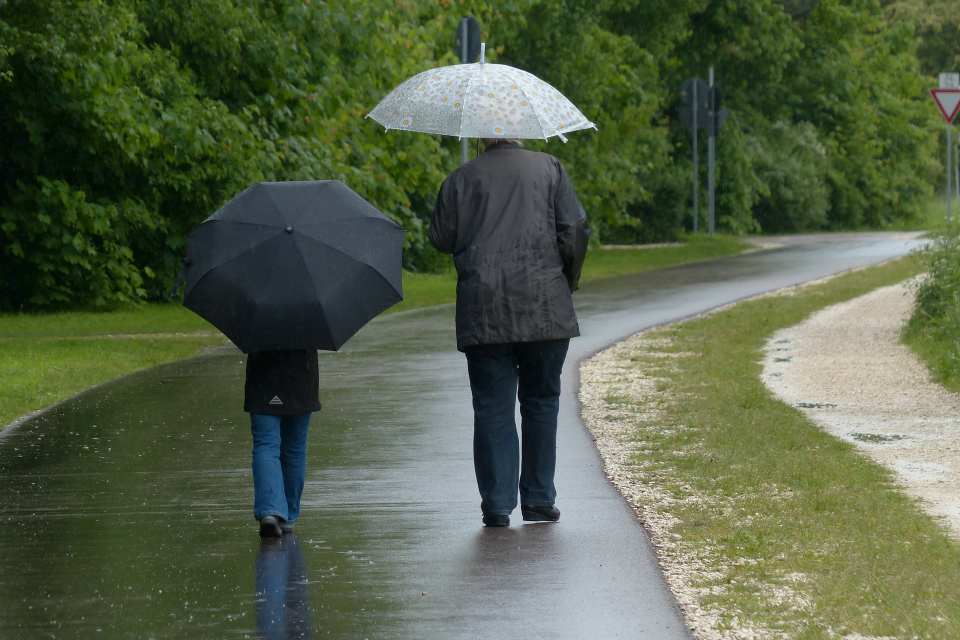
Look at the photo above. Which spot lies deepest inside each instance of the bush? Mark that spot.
(934, 326)
(790, 163)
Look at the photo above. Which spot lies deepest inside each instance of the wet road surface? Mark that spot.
(128, 509)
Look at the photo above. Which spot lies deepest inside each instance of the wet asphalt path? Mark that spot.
(127, 509)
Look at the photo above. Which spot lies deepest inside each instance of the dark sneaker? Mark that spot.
(286, 528)
(496, 520)
(270, 527)
(548, 513)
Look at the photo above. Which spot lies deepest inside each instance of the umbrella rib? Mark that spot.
(343, 253)
(285, 225)
(316, 290)
(534, 109)
(252, 224)
(532, 102)
(466, 94)
(277, 208)
(244, 251)
(401, 97)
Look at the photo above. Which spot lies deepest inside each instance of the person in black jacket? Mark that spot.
(280, 393)
(518, 235)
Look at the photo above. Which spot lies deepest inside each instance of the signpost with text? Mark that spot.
(947, 97)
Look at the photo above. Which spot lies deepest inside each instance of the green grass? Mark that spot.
(36, 373)
(782, 497)
(45, 358)
(933, 218)
(148, 318)
(602, 263)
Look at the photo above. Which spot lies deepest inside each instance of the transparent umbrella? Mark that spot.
(480, 101)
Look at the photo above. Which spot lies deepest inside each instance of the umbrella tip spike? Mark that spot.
(483, 52)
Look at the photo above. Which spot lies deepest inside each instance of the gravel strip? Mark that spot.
(846, 370)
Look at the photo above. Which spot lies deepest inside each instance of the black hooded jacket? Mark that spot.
(518, 235)
(282, 383)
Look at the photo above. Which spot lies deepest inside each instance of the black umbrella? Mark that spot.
(293, 265)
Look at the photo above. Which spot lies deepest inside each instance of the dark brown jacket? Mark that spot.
(518, 235)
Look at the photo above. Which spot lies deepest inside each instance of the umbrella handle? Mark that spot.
(180, 276)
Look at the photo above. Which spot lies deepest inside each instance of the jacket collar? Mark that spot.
(504, 144)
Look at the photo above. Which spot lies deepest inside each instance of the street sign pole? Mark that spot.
(711, 150)
(956, 171)
(468, 48)
(695, 173)
(947, 97)
(463, 141)
(694, 114)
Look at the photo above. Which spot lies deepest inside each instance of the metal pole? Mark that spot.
(949, 171)
(711, 145)
(695, 109)
(956, 171)
(463, 48)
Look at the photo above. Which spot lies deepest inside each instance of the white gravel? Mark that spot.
(846, 369)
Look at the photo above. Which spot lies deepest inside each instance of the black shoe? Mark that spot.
(547, 513)
(496, 520)
(286, 528)
(270, 527)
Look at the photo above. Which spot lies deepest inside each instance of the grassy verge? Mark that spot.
(793, 530)
(47, 357)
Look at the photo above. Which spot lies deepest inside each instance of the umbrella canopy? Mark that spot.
(480, 101)
(293, 265)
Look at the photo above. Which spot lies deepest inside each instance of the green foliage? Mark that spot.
(934, 327)
(71, 244)
(127, 122)
(794, 195)
(858, 83)
(937, 22)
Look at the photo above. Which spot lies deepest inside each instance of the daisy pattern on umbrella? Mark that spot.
(480, 101)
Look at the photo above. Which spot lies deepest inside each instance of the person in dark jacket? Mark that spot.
(281, 392)
(518, 235)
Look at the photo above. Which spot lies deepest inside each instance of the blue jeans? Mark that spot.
(499, 375)
(279, 464)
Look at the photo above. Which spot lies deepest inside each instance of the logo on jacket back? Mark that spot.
(276, 400)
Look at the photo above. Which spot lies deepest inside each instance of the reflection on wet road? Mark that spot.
(283, 600)
(128, 509)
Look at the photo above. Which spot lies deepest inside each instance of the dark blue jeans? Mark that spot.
(499, 375)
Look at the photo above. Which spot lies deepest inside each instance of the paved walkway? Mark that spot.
(128, 509)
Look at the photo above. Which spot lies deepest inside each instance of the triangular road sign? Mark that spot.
(948, 100)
